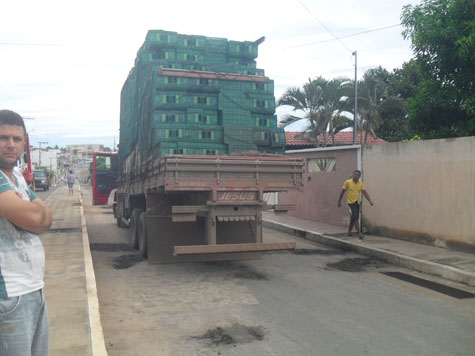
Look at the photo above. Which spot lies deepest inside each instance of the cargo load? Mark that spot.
(199, 150)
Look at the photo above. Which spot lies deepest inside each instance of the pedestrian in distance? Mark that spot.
(24, 326)
(353, 187)
(71, 180)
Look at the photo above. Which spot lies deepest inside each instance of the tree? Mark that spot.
(443, 40)
(376, 102)
(318, 101)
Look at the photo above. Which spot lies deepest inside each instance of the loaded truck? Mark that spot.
(199, 150)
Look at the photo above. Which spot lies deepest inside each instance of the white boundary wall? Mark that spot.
(422, 190)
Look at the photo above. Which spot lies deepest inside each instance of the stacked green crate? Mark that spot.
(187, 133)
(198, 114)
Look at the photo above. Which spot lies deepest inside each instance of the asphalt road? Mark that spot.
(316, 301)
(44, 194)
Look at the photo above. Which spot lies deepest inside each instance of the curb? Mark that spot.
(97, 336)
(447, 272)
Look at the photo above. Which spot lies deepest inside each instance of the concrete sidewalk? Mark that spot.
(453, 265)
(68, 278)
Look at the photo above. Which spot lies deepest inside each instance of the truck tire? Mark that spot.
(143, 235)
(120, 223)
(134, 227)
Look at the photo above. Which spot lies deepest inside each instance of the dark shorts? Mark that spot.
(70, 185)
(354, 211)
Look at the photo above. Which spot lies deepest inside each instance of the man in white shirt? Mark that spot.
(23, 313)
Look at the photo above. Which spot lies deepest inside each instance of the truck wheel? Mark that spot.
(143, 235)
(134, 227)
(120, 223)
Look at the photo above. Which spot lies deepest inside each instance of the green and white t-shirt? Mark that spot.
(22, 256)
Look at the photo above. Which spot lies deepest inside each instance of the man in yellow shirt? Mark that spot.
(353, 187)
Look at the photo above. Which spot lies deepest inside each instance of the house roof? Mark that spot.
(341, 138)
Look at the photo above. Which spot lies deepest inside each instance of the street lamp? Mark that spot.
(355, 118)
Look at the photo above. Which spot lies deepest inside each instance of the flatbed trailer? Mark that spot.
(202, 208)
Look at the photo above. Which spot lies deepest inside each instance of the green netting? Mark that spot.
(163, 114)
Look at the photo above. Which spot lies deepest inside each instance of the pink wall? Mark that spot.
(319, 198)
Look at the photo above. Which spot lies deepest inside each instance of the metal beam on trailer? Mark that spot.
(228, 248)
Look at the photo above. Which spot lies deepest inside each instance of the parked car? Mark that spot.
(41, 180)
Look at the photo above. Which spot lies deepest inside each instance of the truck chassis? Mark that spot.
(202, 208)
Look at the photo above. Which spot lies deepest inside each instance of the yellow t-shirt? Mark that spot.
(353, 190)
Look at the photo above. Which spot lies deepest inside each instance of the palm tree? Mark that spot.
(373, 98)
(318, 102)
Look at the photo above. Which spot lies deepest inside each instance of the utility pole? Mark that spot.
(39, 151)
(355, 117)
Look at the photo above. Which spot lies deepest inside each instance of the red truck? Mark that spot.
(104, 176)
(24, 165)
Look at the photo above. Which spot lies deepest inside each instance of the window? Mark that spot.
(172, 99)
(259, 86)
(321, 165)
(261, 103)
(170, 118)
(191, 42)
(210, 152)
(173, 133)
(262, 122)
(205, 134)
(172, 80)
(203, 81)
(243, 48)
(201, 100)
(204, 119)
(191, 57)
(160, 54)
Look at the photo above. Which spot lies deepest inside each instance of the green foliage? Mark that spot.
(414, 138)
(318, 102)
(443, 40)
(402, 83)
(381, 109)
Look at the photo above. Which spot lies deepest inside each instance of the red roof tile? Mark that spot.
(341, 138)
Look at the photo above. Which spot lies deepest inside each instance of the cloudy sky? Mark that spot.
(63, 63)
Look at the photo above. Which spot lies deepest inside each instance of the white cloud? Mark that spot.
(71, 84)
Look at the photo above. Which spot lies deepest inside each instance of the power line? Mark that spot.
(346, 36)
(28, 44)
(325, 27)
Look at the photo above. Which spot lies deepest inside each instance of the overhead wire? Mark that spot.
(29, 44)
(325, 27)
(346, 36)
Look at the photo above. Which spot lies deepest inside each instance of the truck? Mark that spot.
(199, 151)
(24, 164)
(104, 176)
(41, 179)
